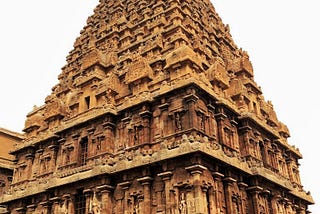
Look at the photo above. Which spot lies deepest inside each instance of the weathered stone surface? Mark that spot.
(7, 141)
(156, 111)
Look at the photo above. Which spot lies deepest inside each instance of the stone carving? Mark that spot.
(34, 121)
(64, 207)
(55, 108)
(138, 70)
(92, 58)
(155, 90)
(183, 204)
(177, 120)
(95, 205)
(217, 74)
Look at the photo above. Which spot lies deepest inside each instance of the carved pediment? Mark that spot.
(54, 108)
(182, 54)
(283, 130)
(112, 83)
(95, 57)
(35, 120)
(236, 88)
(93, 75)
(73, 97)
(217, 75)
(241, 64)
(267, 107)
(139, 69)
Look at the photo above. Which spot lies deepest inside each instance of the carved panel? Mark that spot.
(217, 75)
(138, 70)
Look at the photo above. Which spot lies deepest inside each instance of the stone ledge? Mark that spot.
(186, 146)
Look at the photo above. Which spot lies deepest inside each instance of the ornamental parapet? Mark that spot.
(67, 123)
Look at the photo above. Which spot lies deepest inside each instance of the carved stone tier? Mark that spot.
(156, 111)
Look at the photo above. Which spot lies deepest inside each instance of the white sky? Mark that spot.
(281, 37)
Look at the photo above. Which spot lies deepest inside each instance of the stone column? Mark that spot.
(159, 191)
(288, 206)
(20, 210)
(67, 199)
(301, 210)
(72, 203)
(31, 208)
(244, 198)
(166, 177)
(106, 198)
(88, 194)
(266, 194)
(45, 207)
(53, 163)
(109, 136)
(274, 200)
(146, 115)
(125, 186)
(55, 204)
(211, 200)
(191, 99)
(266, 155)
(217, 182)
(228, 184)
(145, 182)
(212, 121)
(29, 158)
(289, 167)
(163, 118)
(254, 191)
(199, 198)
(208, 197)
(220, 117)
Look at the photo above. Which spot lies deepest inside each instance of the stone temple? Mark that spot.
(156, 111)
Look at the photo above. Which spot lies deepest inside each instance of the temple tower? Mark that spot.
(156, 111)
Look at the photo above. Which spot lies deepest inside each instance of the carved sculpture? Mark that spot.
(156, 111)
(95, 205)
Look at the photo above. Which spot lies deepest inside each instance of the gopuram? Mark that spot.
(156, 112)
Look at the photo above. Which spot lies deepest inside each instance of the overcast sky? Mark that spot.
(281, 37)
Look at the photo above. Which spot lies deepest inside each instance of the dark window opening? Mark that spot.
(80, 203)
(87, 100)
(255, 107)
(263, 153)
(83, 151)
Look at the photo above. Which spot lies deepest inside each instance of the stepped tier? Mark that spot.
(156, 111)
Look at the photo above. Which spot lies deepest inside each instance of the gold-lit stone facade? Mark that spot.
(156, 111)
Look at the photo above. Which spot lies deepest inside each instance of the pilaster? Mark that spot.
(109, 134)
(68, 203)
(106, 198)
(45, 207)
(254, 191)
(21, 210)
(166, 178)
(199, 198)
(191, 99)
(228, 184)
(244, 198)
(146, 116)
(88, 194)
(145, 182)
(217, 176)
(125, 186)
(55, 204)
(31, 208)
